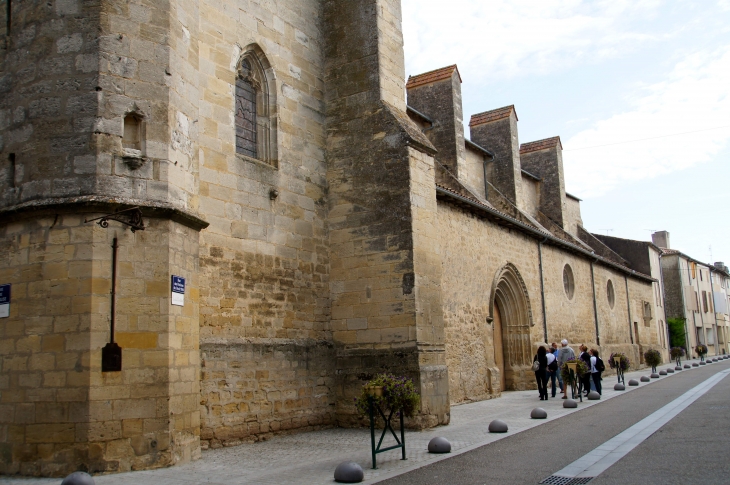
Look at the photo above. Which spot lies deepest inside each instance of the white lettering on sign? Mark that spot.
(177, 297)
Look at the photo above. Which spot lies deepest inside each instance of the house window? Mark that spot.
(704, 301)
(255, 108)
(568, 282)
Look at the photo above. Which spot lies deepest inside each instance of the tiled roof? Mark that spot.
(534, 146)
(493, 115)
(432, 76)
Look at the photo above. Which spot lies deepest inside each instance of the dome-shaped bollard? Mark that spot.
(633, 382)
(654, 375)
(687, 366)
(669, 371)
(619, 387)
(644, 379)
(78, 478)
(439, 445)
(498, 426)
(538, 413)
(677, 367)
(703, 363)
(593, 396)
(695, 364)
(349, 472)
(663, 372)
(570, 404)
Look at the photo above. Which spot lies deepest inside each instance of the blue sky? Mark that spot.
(639, 92)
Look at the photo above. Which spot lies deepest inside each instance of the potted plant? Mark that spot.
(677, 353)
(390, 393)
(620, 363)
(701, 351)
(387, 395)
(653, 358)
(580, 369)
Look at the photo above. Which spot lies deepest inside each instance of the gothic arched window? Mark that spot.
(255, 108)
(246, 112)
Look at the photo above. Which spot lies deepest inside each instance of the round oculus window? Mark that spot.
(610, 294)
(568, 282)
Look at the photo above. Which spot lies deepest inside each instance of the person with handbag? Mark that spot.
(539, 365)
(566, 353)
(552, 370)
(586, 378)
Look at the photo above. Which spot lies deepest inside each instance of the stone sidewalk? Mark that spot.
(311, 458)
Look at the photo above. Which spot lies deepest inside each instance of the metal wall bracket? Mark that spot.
(131, 217)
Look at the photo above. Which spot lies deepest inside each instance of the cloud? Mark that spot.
(501, 39)
(678, 123)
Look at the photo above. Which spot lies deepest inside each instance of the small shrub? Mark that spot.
(625, 363)
(399, 395)
(580, 370)
(652, 357)
(676, 352)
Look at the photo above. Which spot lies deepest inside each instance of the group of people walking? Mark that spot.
(548, 362)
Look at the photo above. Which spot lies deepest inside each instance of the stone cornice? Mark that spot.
(95, 203)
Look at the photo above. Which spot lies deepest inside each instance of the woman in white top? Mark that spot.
(595, 373)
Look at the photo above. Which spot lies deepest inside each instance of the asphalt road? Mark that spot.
(693, 448)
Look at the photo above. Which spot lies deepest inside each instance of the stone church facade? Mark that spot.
(327, 227)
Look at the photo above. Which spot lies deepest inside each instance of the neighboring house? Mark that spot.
(645, 257)
(721, 302)
(693, 291)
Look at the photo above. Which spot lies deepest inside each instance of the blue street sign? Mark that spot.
(178, 284)
(177, 297)
(4, 301)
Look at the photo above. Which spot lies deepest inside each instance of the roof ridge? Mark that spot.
(432, 76)
(536, 145)
(492, 115)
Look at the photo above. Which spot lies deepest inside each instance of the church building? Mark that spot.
(219, 219)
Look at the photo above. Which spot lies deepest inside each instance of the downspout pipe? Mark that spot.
(542, 287)
(684, 307)
(595, 307)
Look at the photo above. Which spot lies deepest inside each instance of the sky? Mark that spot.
(637, 90)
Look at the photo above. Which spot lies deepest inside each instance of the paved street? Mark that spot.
(693, 444)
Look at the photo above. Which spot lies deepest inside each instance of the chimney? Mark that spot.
(496, 131)
(661, 239)
(544, 158)
(437, 94)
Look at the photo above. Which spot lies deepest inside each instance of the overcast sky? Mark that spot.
(638, 91)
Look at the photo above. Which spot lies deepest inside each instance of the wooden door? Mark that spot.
(498, 346)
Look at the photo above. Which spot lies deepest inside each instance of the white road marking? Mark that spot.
(597, 461)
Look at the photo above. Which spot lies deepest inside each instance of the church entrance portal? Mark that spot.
(512, 319)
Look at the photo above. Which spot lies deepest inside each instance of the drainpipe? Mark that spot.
(628, 307)
(542, 284)
(595, 308)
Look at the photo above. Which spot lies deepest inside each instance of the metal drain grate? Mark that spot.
(556, 480)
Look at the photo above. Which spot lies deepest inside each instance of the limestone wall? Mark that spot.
(264, 259)
(60, 412)
(474, 249)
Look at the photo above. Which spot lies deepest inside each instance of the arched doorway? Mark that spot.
(511, 318)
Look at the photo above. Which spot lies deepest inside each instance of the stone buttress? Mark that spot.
(385, 266)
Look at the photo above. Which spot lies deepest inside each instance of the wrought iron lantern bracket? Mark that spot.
(131, 217)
